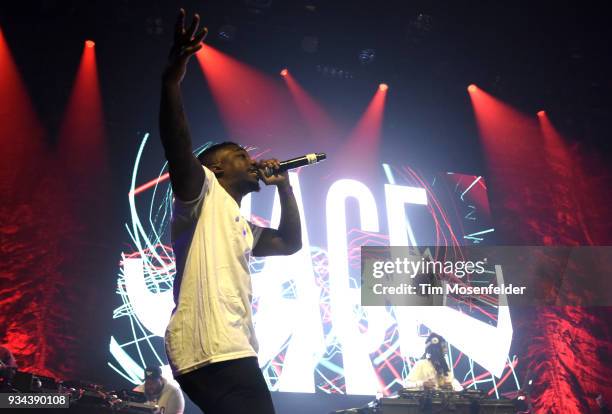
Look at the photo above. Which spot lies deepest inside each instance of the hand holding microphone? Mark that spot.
(297, 162)
(269, 172)
(273, 172)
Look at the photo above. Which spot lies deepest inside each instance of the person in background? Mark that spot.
(158, 390)
(431, 372)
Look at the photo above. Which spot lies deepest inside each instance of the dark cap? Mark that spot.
(153, 372)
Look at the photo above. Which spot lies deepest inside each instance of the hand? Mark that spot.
(186, 43)
(448, 386)
(279, 179)
(429, 384)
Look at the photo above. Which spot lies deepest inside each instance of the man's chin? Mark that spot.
(254, 186)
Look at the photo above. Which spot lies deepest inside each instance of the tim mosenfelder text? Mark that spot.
(448, 289)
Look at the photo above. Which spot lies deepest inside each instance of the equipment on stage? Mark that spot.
(94, 396)
(131, 407)
(85, 397)
(436, 402)
(307, 159)
(28, 382)
(429, 402)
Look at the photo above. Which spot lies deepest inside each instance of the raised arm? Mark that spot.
(186, 173)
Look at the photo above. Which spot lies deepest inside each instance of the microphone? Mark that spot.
(307, 159)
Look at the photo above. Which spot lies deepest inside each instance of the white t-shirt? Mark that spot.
(170, 399)
(212, 242)
(423, 370)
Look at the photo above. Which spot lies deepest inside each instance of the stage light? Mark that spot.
(367, 56)
(227, 32)
(82, 130)
(383, 87)
(541, 113)
(318, 122)
(472, 88)
(284, 72)
(248, 100)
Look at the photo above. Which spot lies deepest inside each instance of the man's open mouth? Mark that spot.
(255, 173)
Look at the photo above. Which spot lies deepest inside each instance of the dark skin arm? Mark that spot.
(288, 238)
(186, 173)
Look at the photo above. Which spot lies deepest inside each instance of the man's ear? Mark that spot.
(217, 170)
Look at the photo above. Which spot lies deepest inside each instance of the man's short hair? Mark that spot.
(208, 157)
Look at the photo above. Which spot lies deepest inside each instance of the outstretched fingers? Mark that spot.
(190, 50)
(195, 43)
(199, 36)
(179, 26)
(193, 27)
(187, 41)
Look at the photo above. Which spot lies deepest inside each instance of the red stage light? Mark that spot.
(541, 113)
(319, 124)
(82, 139)
(254, 107)
(360, 151)
(383, 87)
(472, 88)
(284, 72)
(90, 43)
(21, 134)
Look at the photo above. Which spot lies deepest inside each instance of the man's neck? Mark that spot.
(234, 193)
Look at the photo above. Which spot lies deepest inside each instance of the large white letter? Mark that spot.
(401, 234)
(359, 374)
(279, 318)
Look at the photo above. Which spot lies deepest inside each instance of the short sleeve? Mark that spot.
(256, 230)
(188, 210)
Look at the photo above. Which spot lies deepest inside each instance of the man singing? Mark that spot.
(210, 340)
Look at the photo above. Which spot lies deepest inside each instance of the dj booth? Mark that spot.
(87, 398)
(78, 397)
(436, 402)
